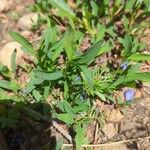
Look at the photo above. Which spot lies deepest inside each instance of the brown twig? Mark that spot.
(95, 134)
(107, 144)
(61, 130)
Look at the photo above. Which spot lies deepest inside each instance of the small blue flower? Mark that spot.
(83, 96)
(78, 78)
(124, 65)
(129, 94)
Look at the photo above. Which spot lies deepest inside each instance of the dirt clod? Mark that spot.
(110, 130)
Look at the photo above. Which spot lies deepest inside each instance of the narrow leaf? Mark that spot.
(25, 44)
(13, 62)
(9, 85)
(67, 118)
(37, 95)
(68, 109)
(127, 43)
(145, 77)
(69, 44)
(101, 96)
(87, 75)
(48, 76)
(91, 53)
(139, 57)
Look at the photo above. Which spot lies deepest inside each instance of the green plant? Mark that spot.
(78, 81)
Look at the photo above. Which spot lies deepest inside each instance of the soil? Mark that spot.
(130, 125)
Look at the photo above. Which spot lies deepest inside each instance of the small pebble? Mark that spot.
(26, 34)
(27, 21)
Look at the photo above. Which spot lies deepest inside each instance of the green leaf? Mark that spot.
(29, 88)
(69, 44)
(37, 95)
(82, 106)
(66, 89)
(4, 97)
(101, 32)
(94, 8)
(139, 57)
(68, 109)
(46, 91)
(37, 81)
(111, 31)
(9, 85)
(87, 75)
(48, 76)
(90, 54)
(31, 85)
(105, 48)
(25, 44)
(127, 43)
(80, 136)
(49, 37)
(67, 118)
(129, 6)
(13, 62)
(136, 45)
(134, 68)
(117, 82)
(144, 76)
(130, 77)
(4, 71)
(59, 144)
(125, 22)
(65, 11)
(100, 95)
(63, 6)
(57, 48)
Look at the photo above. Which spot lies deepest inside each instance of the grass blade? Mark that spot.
(13, 62)
(139, 57)
(25, 44)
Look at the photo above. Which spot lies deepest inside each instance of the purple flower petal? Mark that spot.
(124, 65)
(129, 94)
